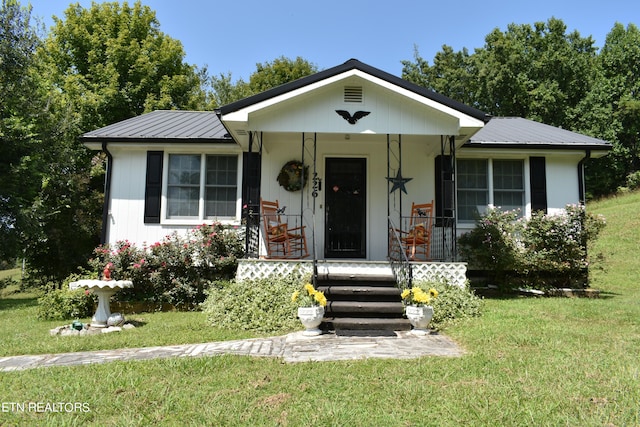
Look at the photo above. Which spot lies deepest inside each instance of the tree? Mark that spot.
(267, 75)
(102, 65)
(452, 74)
(21, 109)
(112, 62)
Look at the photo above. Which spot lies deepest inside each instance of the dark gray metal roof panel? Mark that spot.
(347, 66)
(516, 132)
(164, 125)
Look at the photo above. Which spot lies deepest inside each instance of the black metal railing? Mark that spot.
(251, 220)
(400, 265)
(440, 234)
(254, 223)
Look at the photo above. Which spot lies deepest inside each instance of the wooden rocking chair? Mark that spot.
(417, 239)
(282, 241)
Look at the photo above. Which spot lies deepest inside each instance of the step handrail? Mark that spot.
(400, 266)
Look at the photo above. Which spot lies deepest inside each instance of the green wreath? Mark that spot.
(290, 176)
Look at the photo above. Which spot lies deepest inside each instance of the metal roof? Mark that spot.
(164, 126)
(348, 66)
(516, 132)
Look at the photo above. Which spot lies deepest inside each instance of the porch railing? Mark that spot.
(252, 235)
(400, 265)
(254, 224)
(442, 246)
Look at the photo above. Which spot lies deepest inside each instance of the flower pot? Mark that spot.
(311, 317)
(419, 316)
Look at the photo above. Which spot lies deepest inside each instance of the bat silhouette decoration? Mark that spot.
(352, 119)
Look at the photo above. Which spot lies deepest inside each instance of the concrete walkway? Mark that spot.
(291, 348)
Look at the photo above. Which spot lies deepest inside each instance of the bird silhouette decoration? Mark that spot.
(356, 116)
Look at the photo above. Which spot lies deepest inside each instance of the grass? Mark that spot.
(529, 361)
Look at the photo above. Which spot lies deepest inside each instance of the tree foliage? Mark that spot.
(267, 76)
(97, 66)
(544, 73)
(21, 111)
(112, 62)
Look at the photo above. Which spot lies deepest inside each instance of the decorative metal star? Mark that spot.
(398, 182)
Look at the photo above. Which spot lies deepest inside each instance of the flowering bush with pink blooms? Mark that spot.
(176, 270)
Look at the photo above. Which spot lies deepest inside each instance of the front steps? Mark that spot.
(362, 302)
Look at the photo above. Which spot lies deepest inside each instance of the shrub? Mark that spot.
(555, 248)
(178, 269)
(633, 180)
(65, 304)
(542, 252)
(492, 245)
(262, 305)
(453, 302)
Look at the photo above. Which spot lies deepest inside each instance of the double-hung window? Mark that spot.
(489, 182)
(201, 186)
(473, 189)
(508, 184)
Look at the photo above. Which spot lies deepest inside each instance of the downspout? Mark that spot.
(107, 194)
(582, 193)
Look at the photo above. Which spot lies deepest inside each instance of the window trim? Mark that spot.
(191, 221)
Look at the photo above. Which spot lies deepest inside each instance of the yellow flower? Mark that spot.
(433, 293)
(320, 298)
(294, 296)
(310, 289)
(421, 297)
(405, 294)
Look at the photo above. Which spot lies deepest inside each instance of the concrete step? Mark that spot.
(365, 324)
(360, 292)
(365, 308)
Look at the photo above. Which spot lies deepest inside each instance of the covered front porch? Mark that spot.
(347, 154)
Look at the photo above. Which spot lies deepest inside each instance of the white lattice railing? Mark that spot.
(453, 272)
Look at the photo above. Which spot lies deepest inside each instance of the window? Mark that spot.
(508, 184)
(202, 186)
(484, 182)
(473, 189)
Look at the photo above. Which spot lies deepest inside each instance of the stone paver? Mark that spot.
(291, 348)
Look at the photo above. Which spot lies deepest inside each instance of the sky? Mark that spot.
(232, 36)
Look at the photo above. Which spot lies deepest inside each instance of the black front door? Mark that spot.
(345, 208)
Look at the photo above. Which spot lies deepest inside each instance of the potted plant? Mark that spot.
(416, 306)
(311, 303)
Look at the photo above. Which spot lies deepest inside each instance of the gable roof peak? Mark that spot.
(353, 64)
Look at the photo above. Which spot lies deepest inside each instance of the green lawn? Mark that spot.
(530, 361)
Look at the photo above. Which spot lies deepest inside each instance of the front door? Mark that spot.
(345, 208)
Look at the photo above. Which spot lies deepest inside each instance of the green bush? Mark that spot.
(453, 302)
(64, 304)
(262, 305)
(176, 270)
(545, 251)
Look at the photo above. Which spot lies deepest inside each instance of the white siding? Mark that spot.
(418, 163)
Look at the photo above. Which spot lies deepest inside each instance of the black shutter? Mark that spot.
(250, 178)
(537, 171)
(444, 188)
(153, 188)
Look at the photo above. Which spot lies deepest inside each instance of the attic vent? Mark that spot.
(353, 94)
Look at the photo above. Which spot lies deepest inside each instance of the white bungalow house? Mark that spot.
(371, 144)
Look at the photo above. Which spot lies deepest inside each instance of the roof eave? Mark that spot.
(538, 146)
(95, 143)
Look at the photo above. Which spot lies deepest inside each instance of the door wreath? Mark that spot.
(290, 176)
